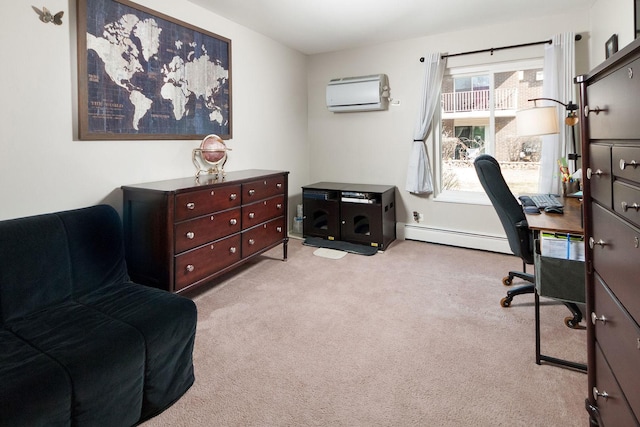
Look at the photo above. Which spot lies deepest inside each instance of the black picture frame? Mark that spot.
(146, 75)
(611, 46)
(636, 18)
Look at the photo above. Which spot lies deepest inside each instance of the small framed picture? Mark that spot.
(611, 46)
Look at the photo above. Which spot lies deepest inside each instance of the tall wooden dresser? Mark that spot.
(181, 233)
(611, 155)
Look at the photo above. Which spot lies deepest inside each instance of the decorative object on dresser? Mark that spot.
(356, 213)
(611, 153)
(211, 156)
(182, 233)
(611, 46)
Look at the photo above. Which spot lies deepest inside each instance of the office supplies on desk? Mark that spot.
(545, 200)
(554, 209)
(563, 246)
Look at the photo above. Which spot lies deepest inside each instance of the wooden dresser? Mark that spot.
(181, 233)
(611, 155)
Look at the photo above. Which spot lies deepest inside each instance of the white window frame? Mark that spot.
(471, 197)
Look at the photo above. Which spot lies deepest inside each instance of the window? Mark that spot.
(479, 116)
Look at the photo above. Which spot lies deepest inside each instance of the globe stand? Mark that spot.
(204, 166)
(211, 156)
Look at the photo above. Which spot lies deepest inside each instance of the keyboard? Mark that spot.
(545, 200)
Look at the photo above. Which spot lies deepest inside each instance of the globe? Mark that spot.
(213, 149)
(211, 156)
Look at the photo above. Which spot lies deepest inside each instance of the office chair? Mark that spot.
(513, 221)
(519, 234)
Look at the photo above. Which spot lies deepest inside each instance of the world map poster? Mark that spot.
(144, 75)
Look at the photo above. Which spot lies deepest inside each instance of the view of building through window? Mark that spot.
(479, 116)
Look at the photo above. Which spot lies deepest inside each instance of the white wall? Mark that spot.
(44, 167)
(373, 147)
(610, 17)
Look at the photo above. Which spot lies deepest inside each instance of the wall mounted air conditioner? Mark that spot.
(364, 93)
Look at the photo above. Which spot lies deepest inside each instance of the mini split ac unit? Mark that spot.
(364, 93)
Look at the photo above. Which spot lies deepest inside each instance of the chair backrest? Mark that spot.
(507, 207)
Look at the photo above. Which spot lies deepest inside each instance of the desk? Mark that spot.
(570, 222)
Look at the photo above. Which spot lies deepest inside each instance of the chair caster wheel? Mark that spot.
(506, 301)
(571, 322)
(507, 281)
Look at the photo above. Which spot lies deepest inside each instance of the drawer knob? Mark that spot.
(191, 235)
(593, 242)
(190, 268)
(597, 110)
(252, 192)
(595, 318)
(232, 250)
(626, 206)
(191, 206)
(597, 394)
(279, 185)
(252, 215)
(233, 221)
(233, 196)
(279, 206)
(598, 173)
(279, 229)
(252, 242)
(624, 164)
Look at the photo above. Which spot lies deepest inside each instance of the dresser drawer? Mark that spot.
(199, 263)
(259, 237)
(614, 409)
(599, 173)
(626, 162)
(620, 120)
(262, 188)
(619, 339)
(616, 257)
(626, 201)
(261, 211)
(198, 231)
(197, 203)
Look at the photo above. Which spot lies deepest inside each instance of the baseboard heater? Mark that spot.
(458, 238)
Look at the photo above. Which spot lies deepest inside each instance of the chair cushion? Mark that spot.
(167, 323)
(35, 271)
(96, 248)
(103, 357)
(35, 390)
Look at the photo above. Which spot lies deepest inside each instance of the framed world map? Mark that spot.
(145, 75)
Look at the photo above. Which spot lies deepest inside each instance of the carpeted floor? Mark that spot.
(413, 336)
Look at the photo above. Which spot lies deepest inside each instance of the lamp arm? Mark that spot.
(569, 106)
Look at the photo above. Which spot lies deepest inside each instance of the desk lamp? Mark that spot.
(544, 121)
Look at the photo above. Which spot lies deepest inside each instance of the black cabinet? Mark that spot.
(356, 213)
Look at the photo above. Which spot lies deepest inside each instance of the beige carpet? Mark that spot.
(414, 336)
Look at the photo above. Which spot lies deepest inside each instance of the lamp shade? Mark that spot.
(537, 121)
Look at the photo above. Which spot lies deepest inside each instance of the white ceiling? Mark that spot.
(313, 26)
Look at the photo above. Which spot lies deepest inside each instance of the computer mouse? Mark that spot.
(554, 209)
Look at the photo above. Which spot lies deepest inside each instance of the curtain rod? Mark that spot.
(493, 49)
